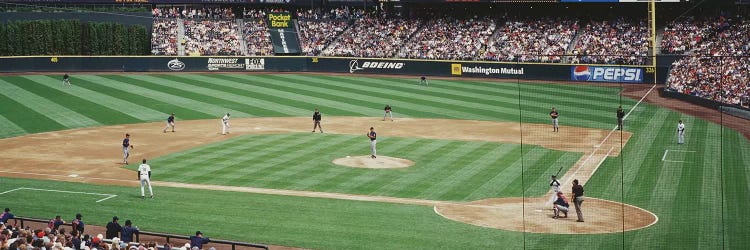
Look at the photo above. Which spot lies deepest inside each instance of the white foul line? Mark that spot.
(626, 116)
(665, 155)
(63, 191)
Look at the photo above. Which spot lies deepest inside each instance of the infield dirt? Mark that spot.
(94, 155)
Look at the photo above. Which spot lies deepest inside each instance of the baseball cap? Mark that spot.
(115, 218)
(78, 215)
(198, 232)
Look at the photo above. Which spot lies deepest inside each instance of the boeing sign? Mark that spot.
(606, 74)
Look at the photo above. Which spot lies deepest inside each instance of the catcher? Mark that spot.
(560, 205)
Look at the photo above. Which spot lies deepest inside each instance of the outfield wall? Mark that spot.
(535, 71)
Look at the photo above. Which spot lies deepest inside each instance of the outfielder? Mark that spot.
(144, 175)
(554, 116)
(126, 146)
(170, 123)
(680, 132)
(388, 112)
(66, 80)
(555, 188)
(423, 79)
(373, 142)
(316, 121)
(225, 124)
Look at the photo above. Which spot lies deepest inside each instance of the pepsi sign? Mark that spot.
(606, 74)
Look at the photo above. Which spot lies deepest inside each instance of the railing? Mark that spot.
(234, 244)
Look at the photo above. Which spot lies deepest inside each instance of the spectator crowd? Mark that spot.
(211, 37)
(450, 38)
(164, 37)
(373, 35)
(55, 236)
(718, 68)
(613, 42)
(193, 13)
(531, 40)
(684, 34)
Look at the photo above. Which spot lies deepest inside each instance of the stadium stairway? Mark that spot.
(241, 38)
(180, 37)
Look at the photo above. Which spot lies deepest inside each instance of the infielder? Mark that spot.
(388, 112)
(555, 188)
(373, 142)
(170, 123)
(680, 132)
(225, 124)
(126, 146)
(66, 80)
(144, 175)
(554, 116)
(316, 121)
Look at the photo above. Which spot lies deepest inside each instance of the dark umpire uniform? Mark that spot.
(620, 116)
(316, 121)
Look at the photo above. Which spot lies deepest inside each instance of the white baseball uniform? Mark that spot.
(143, 171)
(681, 133)
(225, 124)
(555, 189)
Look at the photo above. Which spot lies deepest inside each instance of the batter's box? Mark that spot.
(674, 155)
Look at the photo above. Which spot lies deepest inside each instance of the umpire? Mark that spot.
(620, 116)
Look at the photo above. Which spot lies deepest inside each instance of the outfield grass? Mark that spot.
(700, 195)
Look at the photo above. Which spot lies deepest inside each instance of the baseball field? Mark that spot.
(465, 164)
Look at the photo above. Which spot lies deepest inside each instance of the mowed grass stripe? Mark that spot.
(335, 174)
(416, 95)
(133, 86)
(300, 164)
(207, 157)
(736, 167)
(532, 160)
(234, 104)
(273, 97)
(408, 101)
(278, 106)
(498, 184)
(542, 171)
(28, 119)
(326, 97)
(8, 128)
(60, 95)
(436, 163)
(639, 164)
(404, 149)
(131, 109)
(181, 112)
(208, 87)
(422, 152)
(229, 166)
(710, 192)
(507, 100)
(60, 114)
(356, 94)
(265, 160)
(482, 157)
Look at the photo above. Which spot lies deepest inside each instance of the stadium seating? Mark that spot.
(531, 40)
(718, 68)
(450, 38)
(613, 42)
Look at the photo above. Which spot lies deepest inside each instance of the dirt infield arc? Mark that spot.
(92, 155)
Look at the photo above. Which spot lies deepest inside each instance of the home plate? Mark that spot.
(73, 175)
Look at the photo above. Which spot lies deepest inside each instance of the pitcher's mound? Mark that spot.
(364, 161)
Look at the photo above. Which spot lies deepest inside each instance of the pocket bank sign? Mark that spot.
(606, 74)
